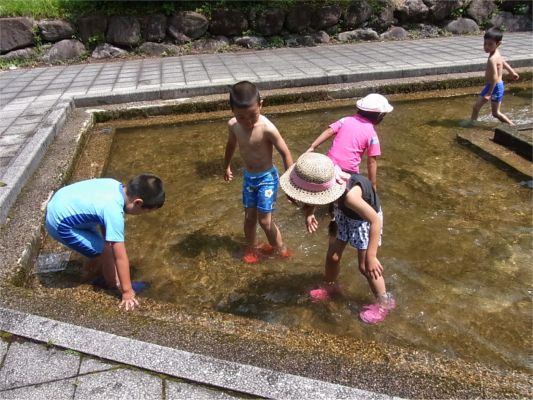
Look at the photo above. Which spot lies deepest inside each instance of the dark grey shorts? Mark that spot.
(353, 231)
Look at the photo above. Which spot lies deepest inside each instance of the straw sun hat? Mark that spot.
(313, 179)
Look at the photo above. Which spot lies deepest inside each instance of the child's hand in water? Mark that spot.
(228, 175)
(515, 76)
(311, 223)
(374, 269)
(129, 302)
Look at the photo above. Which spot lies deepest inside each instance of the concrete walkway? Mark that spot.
(35, 102)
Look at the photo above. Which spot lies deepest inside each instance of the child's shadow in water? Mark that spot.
(215, 168)
(268, 294)
(199, 242)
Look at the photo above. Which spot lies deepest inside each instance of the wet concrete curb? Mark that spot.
(197, 368)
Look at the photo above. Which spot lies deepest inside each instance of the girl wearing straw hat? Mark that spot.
(315, 180)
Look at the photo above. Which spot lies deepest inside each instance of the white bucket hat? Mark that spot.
(314, 180)
(375, 103)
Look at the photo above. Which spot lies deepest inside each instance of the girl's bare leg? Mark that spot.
(333, 258)
(376, 285)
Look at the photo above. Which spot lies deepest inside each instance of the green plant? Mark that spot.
(521, 9)
(95, 40)
(49, 344)
(72, 352)
(168, 8)
(459, 12)
(276, 41)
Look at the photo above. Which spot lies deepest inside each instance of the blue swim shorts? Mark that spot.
(497, 93)
(356, 232)
(86, 240)
(260, 189)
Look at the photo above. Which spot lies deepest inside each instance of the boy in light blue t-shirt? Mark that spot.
(88, 217)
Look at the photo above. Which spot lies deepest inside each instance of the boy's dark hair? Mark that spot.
(372, 116)
(148, 188)
(243, 94)
(494, 34)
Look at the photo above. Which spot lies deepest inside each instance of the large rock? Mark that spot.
(411, 11)
(269, 22)
(107, 51)
(357, 13)
(299, 40)
(511, 23)
(481, 10)
(299, 18)
(21, 54)
(358, 34)
(190, 23)
(385, 16)
(440, 10)
(321, 37)
(428, 31)
(92, 27)
(15, 33)
(178, 37)
(462, 25)
(324, 17)
(54, 30)
(64, 50)
(211, 44)
(159, 49)
(154, 28)
(123, 31)
(251, 42)
(227, 22)
(395, 33)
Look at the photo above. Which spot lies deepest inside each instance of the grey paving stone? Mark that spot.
(89, 364)
(3, 348)
(184, 391)
(119, 384)
(29, 363)
(58, 390)
(9, 140)
(10, 151)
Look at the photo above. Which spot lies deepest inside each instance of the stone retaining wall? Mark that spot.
(304, 24)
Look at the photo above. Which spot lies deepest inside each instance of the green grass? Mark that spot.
(31, 8)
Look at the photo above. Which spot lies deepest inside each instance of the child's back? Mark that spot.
(354, 135)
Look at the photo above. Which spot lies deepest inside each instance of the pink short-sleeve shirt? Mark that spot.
(353, 136)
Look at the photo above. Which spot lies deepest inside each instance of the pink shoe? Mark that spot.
(324, 293)
(375, 313)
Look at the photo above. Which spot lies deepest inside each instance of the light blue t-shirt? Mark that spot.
(86, 203)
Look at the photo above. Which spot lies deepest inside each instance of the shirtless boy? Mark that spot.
(256, 137)
(494, 87)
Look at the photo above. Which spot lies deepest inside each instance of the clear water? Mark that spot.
(457, 245)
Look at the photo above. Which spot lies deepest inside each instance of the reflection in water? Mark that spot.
(457, 240)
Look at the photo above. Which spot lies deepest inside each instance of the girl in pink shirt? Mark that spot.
(355, 134)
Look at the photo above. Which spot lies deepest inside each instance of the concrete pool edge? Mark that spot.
(291, 95)
(193, 367)
(37, 223)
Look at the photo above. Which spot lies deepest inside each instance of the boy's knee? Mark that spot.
(265, 221)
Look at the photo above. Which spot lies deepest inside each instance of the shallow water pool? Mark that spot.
(457, 246)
